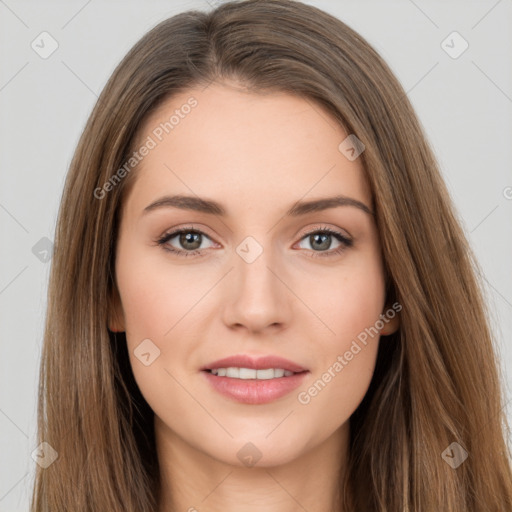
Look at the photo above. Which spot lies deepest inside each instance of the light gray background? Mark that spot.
(464, 104)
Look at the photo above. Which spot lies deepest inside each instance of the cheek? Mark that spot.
(346, 353)
(156, 299)
(155, 294)
(349, 300)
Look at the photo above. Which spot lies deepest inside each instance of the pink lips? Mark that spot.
(260, 363)
(254, 391)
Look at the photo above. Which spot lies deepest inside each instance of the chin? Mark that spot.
(257, 451)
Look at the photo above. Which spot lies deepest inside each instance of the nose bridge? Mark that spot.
(257, 298)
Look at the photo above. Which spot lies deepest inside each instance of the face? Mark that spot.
(257, 274)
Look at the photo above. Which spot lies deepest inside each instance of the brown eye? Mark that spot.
(190, 240)
(321, 240)
(185, 242)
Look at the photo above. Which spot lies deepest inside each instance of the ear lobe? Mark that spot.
(391, 325)
(115, 312)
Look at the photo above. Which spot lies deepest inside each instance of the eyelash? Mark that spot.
(345, 242)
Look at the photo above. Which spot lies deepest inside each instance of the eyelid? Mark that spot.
(329, 229)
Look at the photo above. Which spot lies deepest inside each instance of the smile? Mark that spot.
(251, 373)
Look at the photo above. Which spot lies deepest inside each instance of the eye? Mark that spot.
(321, 240)
(189, 241)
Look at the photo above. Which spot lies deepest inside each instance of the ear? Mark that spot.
(115, 312)
(391, 323)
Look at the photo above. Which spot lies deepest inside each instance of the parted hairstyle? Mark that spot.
(437, 379)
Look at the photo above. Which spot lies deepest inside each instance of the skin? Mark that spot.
(257, 155)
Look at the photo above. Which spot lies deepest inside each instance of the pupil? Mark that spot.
(324, 244)
(187, 238)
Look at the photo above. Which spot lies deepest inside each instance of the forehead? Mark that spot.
(224, 142)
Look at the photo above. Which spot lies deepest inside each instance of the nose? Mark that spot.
(257, 292)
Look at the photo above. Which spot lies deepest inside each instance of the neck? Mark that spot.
(192, 481)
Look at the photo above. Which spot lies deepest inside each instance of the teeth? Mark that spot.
(249, 373)
(246, 373)
(234, 373)
(267, 374)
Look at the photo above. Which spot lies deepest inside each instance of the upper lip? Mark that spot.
(256, 363)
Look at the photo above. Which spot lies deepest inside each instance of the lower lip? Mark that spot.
(255, 391)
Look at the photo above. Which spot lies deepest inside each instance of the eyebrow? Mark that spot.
(214, 208)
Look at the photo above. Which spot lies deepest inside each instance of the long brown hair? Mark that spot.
(437, 378)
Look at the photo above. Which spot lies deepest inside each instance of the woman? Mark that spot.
(260, 295)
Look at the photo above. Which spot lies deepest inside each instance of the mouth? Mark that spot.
(254, 381)
(251, 374)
